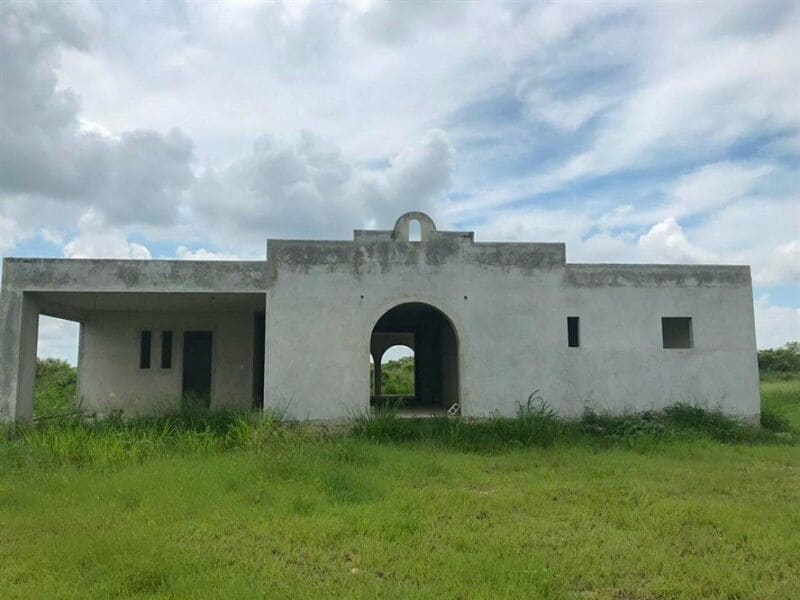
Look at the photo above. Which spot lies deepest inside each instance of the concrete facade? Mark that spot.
(487, 321)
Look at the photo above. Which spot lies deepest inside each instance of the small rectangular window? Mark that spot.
(166, 349)
(144, 349)
(676, 332)
(573, 332)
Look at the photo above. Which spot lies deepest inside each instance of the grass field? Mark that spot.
(687, 505)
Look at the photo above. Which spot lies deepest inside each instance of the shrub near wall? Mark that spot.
(780, 363)
(55, 387)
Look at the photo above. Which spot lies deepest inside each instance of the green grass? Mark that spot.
(780, 400)
(54, 390)
(682, 504)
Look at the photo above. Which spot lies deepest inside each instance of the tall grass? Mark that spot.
(540, 427)
(780, 404)
(192, 432)
(78, 442)
(668, 504)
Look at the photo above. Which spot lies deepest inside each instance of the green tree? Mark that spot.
(397, 376)
(781, 360)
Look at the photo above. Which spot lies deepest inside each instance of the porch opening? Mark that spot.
(429, 360)
(56, 373)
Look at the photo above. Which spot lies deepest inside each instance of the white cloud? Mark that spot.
(15, 229)
(183, 253)
(700, 92)
(563, 114)
(775, 325)
(783, 265)
(58, 339)
(750, 231)
(632, 132)
(104, 245)
(96, 240)
(713, 185)
(307, 188)
(47, 149)
(11, 233)
(535, 224)
(666, 242)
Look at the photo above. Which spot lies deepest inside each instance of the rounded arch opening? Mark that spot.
(396, 372)
(428, 333)
(414, 231)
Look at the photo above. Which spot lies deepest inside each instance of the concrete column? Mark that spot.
(377, 363)
(19, 323)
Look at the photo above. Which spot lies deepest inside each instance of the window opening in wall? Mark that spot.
(677, 332)
(145, 343)
(414, 231)
(166, 349)
(573, 332)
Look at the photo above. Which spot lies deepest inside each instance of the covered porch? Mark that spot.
(142, 348)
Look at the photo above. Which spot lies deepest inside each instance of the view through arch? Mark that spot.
(396, 371)
(427, 333)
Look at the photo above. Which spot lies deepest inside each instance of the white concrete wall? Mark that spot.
(19, 324)
(622, 366)
(512, 330)
(110, 378)
(507, 302)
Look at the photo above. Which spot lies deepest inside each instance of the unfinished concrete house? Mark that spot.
(490, 324)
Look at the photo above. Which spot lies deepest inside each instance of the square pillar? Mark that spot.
(19, 324)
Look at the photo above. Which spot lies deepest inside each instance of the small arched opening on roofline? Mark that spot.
(414, 226)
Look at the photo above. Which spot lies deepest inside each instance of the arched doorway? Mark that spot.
(431, 336)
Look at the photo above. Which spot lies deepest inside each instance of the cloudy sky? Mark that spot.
(633, 132)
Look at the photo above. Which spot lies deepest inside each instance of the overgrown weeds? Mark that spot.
(197, 432)
(78, 441)
(539, 426)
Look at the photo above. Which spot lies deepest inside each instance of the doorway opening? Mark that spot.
(429, 357)
(258, 360)
(197, 352)
(394, 378)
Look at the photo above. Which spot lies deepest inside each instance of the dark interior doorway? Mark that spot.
(197, 347)
(258, 360)
(431, 336)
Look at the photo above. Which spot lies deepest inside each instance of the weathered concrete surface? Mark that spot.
(508, 305)
(111, 380)
(19, 323)
(605, 275)
(125, 292)
(95, 275)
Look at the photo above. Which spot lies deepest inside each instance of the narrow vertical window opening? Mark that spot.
(145, 340)
(676, 332)
(573, 332)
(414, 231)
(166, 349)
